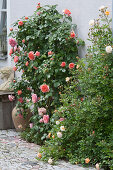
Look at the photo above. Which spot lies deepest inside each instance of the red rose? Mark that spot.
(67, 12)
(71, 65)
(63, 64)
(20, 100)
(37, 53)
(16, 59)
(72, 34)
(27, 63)
(14, 68)
(31, 55)
(20, 23)
(19, 92)
(50, 53)
(44, 88)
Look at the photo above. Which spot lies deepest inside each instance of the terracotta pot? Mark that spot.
(20, 123)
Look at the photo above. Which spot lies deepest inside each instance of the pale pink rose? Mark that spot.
(12, 42)
(34, 98)
(41, 111)
(46, 118)
(62, 119)
(38, 13)
(41, 121)
(31, 125)
(27, 100)
(11, 97)
(16, 49)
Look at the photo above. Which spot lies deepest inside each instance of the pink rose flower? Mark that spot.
(16, 49)
(44, 88)
(50, 53)
(41, 121)
(14, 68)
(46, 118)
(51, 59)
(11, 97)
(20, 23)
(63, 64)
(37, 53)
(26, 18)
(27, 100)
(16, 59)
(67, 12)
(36, 68)
(38, 13)
(11, 51)
(27, 63)
(34, 98)
(31, 55)
(23, 41)
(62, 119)
(72, 34)
(12, 42)
(71, 65)
(28, 88)
(20, 115)
(41, 111)
(11, 29)
(31, 125)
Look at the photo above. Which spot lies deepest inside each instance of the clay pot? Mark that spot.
(20, 123)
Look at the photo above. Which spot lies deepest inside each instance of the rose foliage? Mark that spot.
(43, 46)
(83, 125)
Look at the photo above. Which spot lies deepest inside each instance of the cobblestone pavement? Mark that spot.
(17, 154)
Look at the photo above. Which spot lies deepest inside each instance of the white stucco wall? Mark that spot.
(82, 11)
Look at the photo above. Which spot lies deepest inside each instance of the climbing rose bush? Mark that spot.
(43, 53)
(85, 134)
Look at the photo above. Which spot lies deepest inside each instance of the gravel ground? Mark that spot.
(17, 154)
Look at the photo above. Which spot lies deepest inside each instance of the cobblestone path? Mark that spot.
(16, 154)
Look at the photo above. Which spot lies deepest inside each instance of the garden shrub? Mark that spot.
(44, 49)
(83, 125)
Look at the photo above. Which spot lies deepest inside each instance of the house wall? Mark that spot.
(82, 11)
